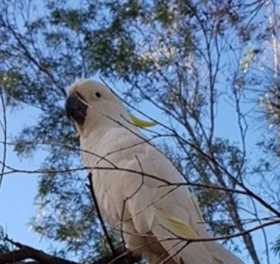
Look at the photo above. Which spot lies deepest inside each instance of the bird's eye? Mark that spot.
(98, 94)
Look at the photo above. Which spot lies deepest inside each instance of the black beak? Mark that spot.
(76, 108)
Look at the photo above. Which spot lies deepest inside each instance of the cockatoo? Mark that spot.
(135, 184)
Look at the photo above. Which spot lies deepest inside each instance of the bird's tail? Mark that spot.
(167, 229)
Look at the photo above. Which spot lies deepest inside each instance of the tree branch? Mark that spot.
(26, 252)
(99, 215)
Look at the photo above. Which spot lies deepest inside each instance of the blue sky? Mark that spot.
(18, 190)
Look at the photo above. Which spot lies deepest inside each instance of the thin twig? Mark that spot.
(4, 130)
(100, 217)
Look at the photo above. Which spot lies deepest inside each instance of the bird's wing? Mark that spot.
(152, 205)
(169, 211)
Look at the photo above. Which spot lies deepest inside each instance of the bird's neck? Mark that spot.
(94, 139)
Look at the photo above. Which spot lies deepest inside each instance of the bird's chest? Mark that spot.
(110, 182)
(108, 192)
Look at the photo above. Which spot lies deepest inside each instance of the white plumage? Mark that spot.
(149, 211)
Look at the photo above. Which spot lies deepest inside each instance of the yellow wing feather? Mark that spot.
(176, 226)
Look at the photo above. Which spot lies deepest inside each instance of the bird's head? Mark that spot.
(90, 104)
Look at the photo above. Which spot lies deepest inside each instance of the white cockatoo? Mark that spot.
(133, 181)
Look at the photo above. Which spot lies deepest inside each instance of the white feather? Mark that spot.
(144, 206)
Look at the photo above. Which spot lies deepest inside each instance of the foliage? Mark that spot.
(3, 244)
(183, 57)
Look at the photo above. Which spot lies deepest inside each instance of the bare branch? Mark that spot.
(4, 131)
(99, 215)
(27, 252)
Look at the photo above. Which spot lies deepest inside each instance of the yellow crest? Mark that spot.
(141, 123)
